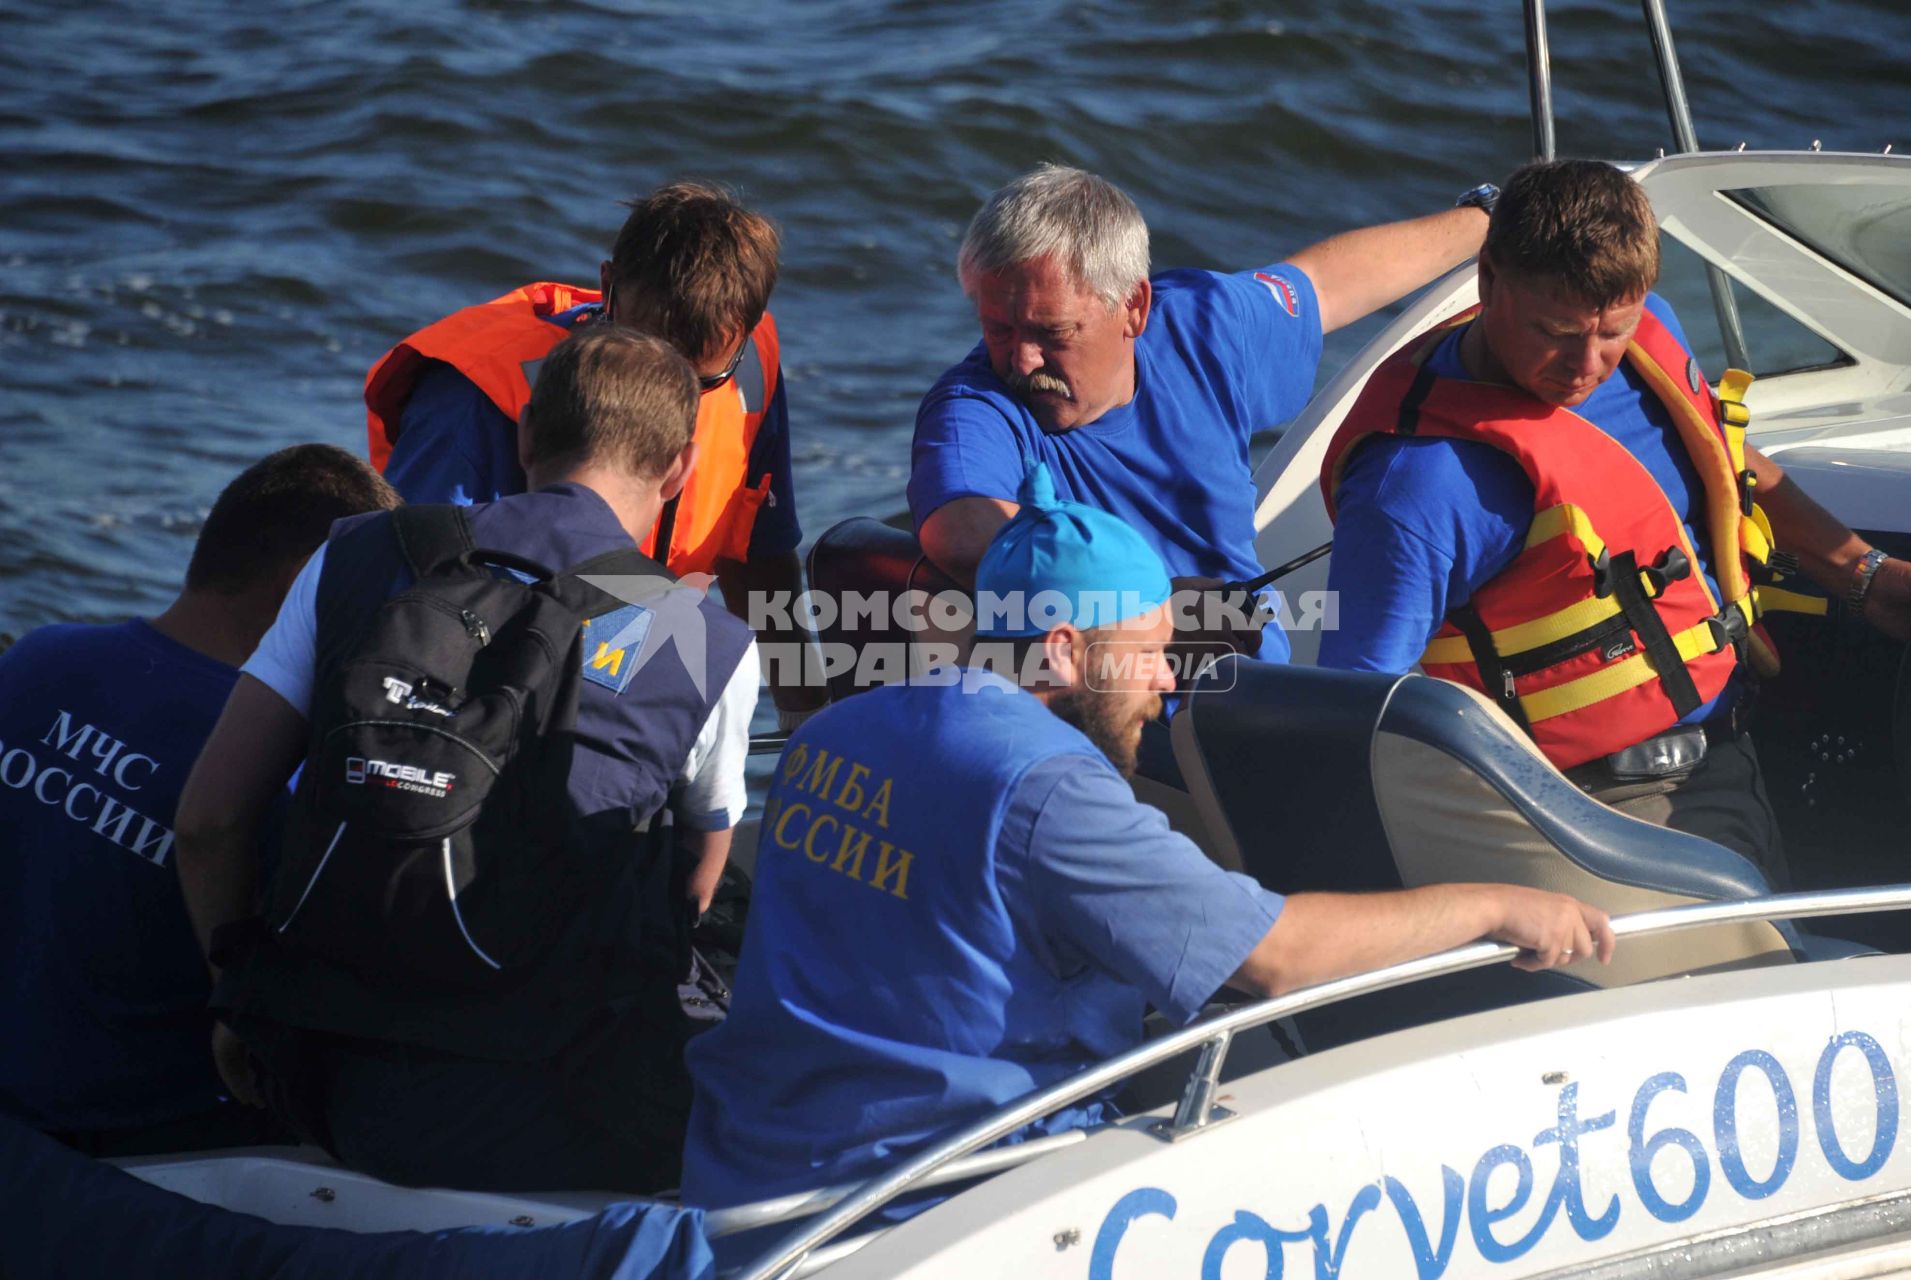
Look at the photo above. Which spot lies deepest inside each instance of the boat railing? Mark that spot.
(836, 1209)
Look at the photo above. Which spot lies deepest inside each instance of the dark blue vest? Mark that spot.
(635, 728)
(886, 990)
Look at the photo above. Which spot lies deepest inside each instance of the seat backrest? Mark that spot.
(864, 567)
(1334, 780)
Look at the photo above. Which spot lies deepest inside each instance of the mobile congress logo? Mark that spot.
(401, 777)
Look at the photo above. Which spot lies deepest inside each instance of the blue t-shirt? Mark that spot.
(1223, 356)
(1018, 914)
(103, 1005)
(1423, 523)
(454, 445)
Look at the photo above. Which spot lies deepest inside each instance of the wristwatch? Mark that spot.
(1483, 197)
(1867, 571)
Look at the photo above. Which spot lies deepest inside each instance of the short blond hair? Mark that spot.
(1579, 228)
(613, 395)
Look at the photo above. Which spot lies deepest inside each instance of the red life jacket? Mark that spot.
(498, 344)
(1602, 631)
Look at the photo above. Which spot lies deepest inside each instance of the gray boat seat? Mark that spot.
(1333, 780)
(863, 558)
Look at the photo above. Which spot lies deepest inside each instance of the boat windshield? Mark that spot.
(1864, 229)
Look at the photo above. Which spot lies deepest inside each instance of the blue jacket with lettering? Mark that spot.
(103, 997)
(635, 729)
(886, 990)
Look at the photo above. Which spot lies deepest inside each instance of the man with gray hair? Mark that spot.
(1140, 392)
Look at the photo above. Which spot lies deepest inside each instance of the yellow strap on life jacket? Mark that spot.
(1755, 530)
(1564, 518)
(1734, 417)
(1525, 636)
(1778, 600)
(1610, 682)
(1755, 536)
(1451, 650)
(1536, 633)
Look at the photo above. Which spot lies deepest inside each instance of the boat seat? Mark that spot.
(865, 557)
(1335, 780)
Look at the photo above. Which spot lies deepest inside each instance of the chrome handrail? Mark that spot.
(1197, 1101)
(1539, 79)
(1685, 139)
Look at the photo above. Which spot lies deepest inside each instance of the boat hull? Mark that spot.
(1517, 1143)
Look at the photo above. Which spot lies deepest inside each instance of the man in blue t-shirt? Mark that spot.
(1424, 522)
(1140, 393)
(103, 1006)
(959, 899)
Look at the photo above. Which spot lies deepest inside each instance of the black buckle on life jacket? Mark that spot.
(1620, 575)
(1746, 483)
(1602, 573)
(1729, 627)
(1778, 566)
(1670, 567)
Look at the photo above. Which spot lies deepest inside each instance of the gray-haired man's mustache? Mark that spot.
(1027, 384)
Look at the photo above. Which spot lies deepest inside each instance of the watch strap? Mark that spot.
(1866, 573)
(1483, 197)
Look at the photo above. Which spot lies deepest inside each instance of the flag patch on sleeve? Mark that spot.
(1283, 292)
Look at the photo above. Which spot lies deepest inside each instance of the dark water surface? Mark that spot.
(214, 216)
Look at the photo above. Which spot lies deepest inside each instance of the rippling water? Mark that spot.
(213, 217)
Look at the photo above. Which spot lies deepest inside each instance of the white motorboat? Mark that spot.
(1735, 1124)
(1712, 1106)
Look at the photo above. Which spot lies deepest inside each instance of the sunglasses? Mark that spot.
(711, 381)
(705, 381)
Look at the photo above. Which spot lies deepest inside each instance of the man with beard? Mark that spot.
(959, 899)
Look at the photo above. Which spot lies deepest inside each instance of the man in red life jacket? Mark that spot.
(1544, 500)
(692, 266)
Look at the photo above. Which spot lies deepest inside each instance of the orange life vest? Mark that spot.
(498, 345)
(1602, 631)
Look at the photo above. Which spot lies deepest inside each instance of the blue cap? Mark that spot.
(1059, 562)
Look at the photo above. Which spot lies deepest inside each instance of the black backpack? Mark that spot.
(427, 843)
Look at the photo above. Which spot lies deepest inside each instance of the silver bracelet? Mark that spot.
(1867, 573)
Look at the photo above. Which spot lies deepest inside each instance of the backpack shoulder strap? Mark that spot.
(433, 537)
(643, 581)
